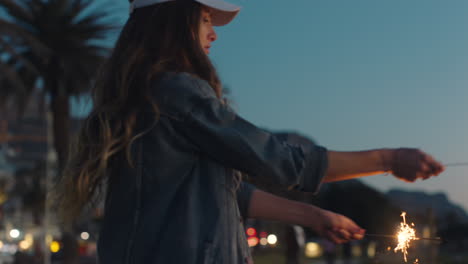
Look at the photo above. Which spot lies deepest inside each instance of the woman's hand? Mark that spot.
(408, 164)
(335, 227)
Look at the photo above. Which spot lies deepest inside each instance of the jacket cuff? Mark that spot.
(315, 169)
(244, 195)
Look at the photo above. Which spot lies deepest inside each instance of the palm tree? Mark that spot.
(55, 45)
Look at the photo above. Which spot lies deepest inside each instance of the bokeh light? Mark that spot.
(313, 250)
(272, 239)
(54, 247)
(252, 241)
(84, 235)
(14, 233)
(251, 231)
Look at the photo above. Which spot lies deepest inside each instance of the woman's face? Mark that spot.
(206, 33)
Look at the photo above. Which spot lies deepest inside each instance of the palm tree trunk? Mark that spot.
(60, 107)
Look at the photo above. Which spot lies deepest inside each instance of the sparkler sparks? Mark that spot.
(405, 235)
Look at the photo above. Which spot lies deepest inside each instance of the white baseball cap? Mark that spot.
(221, 12)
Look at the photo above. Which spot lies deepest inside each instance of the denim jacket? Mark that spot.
(180, 203)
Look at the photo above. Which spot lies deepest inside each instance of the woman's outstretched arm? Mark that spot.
(407, 164)
(334, 227)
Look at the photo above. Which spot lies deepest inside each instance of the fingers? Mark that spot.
(343, 236)
(359, 235)
(343, 229)
(335, 238)
(435, 167)
(412, 164)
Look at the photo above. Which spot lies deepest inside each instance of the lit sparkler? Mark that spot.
(405, 235)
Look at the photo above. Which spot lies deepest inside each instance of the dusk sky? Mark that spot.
(354, 75)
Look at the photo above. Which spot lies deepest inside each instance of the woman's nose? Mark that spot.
(212, 36)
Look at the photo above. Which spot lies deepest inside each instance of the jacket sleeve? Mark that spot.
(244, 196)
(219, 133)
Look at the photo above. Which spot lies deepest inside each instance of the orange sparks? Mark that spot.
(405, 235)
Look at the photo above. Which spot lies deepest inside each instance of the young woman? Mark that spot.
(168, 152)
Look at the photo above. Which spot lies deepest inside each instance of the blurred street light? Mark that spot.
(313, 250)
(252, 241)
(14, 233)
(84, 235)
(54, 247)
(272, 239)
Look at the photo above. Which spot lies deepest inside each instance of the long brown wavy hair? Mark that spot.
(156, 39)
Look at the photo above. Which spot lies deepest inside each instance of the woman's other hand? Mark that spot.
(335, 227)
(409, 164)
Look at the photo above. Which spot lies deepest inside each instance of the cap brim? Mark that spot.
(222, 13)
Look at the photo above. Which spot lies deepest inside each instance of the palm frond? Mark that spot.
(9, 73)
(61, 39)
(77, 7)
(16, 10)
(17, 32)
(6, 47)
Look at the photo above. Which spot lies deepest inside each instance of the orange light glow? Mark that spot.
(252, 241)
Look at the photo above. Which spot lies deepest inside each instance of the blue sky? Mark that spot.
(353, 75)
